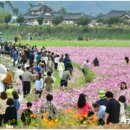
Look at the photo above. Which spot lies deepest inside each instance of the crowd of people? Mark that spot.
(38, 66)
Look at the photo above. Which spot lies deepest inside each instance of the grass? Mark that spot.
(91, 43)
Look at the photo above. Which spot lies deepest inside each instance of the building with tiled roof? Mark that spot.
(48, 14)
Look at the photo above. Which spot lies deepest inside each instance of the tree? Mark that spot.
(20, 19)
(8, 18)
(30, 4)
(1, 4)
(57, 20)
(9, 4)
(3, 14)
(15, 11)
(100, 15)
(40, 20)
(112, 20)
(100, 20)
(63, 11)
(83, 21)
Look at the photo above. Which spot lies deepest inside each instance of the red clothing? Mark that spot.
(84, 110)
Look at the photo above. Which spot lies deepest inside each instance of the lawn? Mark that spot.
(96, 43)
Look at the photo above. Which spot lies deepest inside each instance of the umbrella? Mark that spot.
(3, 72)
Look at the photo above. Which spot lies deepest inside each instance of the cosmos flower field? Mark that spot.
(108, 75)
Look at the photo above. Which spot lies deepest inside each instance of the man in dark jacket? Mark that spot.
(31, 58)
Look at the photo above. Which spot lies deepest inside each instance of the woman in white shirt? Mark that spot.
(57, 59)
(39, 84)
(17, 79)
(60, 68)
(3, 105)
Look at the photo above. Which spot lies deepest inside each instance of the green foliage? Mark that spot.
(89, 74)
(8, 18)
(1, 4)
(113, 20)
(3, 14)
(69, 32)
(10, 4)
(30, 5)
(63, 11)
(100, 20)
(57, 20)
(83, 21)
(80, 38)
(15, 11)
(20, 19)
(40, 20)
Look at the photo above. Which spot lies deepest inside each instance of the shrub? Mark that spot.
(89, 74)
(80, 38)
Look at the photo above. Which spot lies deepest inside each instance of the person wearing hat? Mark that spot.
(102, 100)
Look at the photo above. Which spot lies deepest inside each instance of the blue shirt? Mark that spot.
(101, 112)
(16, 104)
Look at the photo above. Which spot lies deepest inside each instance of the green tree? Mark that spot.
(10, 5)
(63, 11)
(20, 19)
(15, 11)
(112, 20)
(30, 5)
(1, 4)
(100, 15)
(83, 21)
(3, 14)
(40, 20)
(100, 20)
(57, 20)
(8, 18)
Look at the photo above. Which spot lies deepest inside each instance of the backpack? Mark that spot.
(50, 108)
(52, 112)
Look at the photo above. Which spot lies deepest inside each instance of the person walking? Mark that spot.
(19, 72)
(83, 66)
(26, 79)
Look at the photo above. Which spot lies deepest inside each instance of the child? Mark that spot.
(38, 85)
(11, 113)
(26, 114)
(48, 81)
(49, 107)
(16, 100)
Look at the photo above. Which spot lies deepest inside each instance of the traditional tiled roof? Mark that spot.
(38, 7)
(113, 13)
(46, 9)
(128, 13)
(73, 16)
